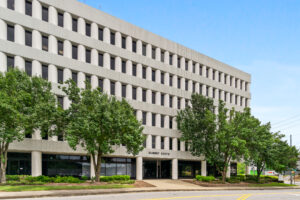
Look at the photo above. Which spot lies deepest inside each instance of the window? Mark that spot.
(178, 62)
(219, 76)
(170, 59)
(153, 141)
(74, 52)
(200, 70)
(162, 57)
(144, 118)
(88, 79)
(60, 48)
(100, 84)
(112, 88)
(88, 29)
(60, 101)
(225, 79)
(230, 80)
(162, 121)
(207, 72)
(236, 100)
(88, 55)
(60, 19)
(28, 38)
(123, 90)
(178, 103)
(134, 69)
(153, 119)
(186, 66)
(45, 72)
(11, 4)
(170, 144)
(214, 74)
(153, 75)
(144, 49)
(162, 78)
(123, 42)
(134, 93)
(236, 82)
(178, 83)
(178, 145)
(10, 62)
(134, 46)
(74, 77)
(153, 97)
(123, 66)
(171, 80)
(28, 68)
(112, 63)
(186, 146)
(112, 38)
(100, 34)
(194, 87)
(171, 101)
(74, 24)
(230, 98)
(45, 14)
(144, 71)
(162, 143)
(144, 92)
(10, 33)
(194, 68)
(45, 43)
(186, 85)
(170, 122)
(162, 99)
(28, 8)
(153, 53)
(100, 59)
(60, 76)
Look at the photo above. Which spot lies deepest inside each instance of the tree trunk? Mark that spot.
(98, 168)
(3, 166)
(224, 174)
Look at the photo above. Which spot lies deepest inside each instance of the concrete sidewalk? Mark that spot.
(160, 186)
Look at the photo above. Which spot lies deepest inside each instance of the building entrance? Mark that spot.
(153, 169)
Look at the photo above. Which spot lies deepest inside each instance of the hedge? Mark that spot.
(115, 178)
(205, 178)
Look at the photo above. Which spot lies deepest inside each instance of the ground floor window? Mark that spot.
(118, 166)
(189, 169)
(18, 163)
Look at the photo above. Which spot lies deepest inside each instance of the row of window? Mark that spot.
(163, 145)
(60, 22)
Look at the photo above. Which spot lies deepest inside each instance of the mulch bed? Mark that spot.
(217, 184)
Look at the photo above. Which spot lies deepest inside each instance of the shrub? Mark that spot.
(84, 178)
(12, 177)
(205, 178)
(67, 179)
(115, 178)
(233, 179)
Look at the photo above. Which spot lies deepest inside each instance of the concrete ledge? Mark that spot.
(63, 193)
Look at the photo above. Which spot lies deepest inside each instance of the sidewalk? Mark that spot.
(161, 186)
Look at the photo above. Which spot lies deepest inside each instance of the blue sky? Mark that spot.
(259, 37)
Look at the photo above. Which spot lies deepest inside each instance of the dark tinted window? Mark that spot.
(162, 124)
(162, 99)
(186, 85)
(171, 80)
(178, 83)
(178, 62)
(153, 141)
(28, 68)
(162, 78)
(10, 62)
(74, 24)
(153, 53)
(100, 84)
(186, 66)
(144, 72)
(178, 103)
(112, 38)
(100, 59)
(170, 123)
(74, 52)
(45, 72)
(170, 59)
(123, 66)
(194, 68)
(112, 63)
(60, 101)
(153, 119)
(45, 13)
(134, 69)
(11, 4)
(153, 75)
(134, 93)
(88, 79)
(178, 145)
(45, 43)
(28, 8)
(60, 19)
(60, 48)
(10, 33)
(100, 34)
(144, 50)
(123, 42)
(153, 98)
(144, 116)
(60, 75)
(171, 102)
(170, 143)
(194, 87)
(88, 29)
(88, 55)
(144, 95)
(162, 56)
(112, 88)
(124, 91)
(134, 46)
(74, 77)
(28, 38)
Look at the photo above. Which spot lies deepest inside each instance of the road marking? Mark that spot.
(244, 197)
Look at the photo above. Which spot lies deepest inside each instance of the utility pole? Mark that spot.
(291, 177)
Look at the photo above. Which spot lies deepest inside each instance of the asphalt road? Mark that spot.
(290, 194)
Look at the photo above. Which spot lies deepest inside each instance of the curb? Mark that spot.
(65, 193)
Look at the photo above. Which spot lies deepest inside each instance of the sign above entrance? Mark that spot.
(158, 153)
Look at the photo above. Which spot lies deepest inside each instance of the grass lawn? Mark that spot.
(271, 185)
(18, 188)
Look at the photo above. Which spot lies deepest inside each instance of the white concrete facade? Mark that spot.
(159, 79)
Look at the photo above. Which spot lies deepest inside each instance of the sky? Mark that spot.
(258, 37)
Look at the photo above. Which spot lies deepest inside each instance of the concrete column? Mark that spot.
(210, 73)
(118, 39)
(67, 103)
(52, 44)
(204, 70)
(227, 97)
(36, 135)
(53, 15)
(94, 31)
(106, 60)
(81, 80)
(182, 103)
(139, 95)
(139, 168)
(222, 95)
(118, 89)
(139, 70)
(174, 60)
(157, 141)
(204, 90)
(190, 66)
(94, 57)
(190, 86)
(157, 76)
(20, 6)
(92, 169)
(149, 141)
(3, 30)
(148, 73)
(149, 96)
(139, 115)
(248, 170)
(197, 68)
(139, 47)
(118, 64)
(167, 121)
(106, 35)
(182, 84)
(210, 92)
(129, 43)
(203, 168)
(36, 9)
(36, 39)
(166, 58)
(19, 34)
(174, 168)
(3, 3)
(166, 102)
(217, 76)
(67, 21)
(67, 74)
(222, 78)
(227, 80)
(158, 98)
(3, 62)
(36, 163)
(157, 54)
(94, 82)
(166, 141)
(157, 119)
(106, 86)
(20, 63)
(52, 73)
(167, 78)
(182, 63)
(197, 87)
(81, 53)
(148, 50)
(217, 94)
(175, 102)
(175, 81)
(182, 146)
(129, 67)
(36, 68)
(128, 91)
(67, 49)
(148, 119)
(81, 26)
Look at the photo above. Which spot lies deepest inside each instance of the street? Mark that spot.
(291, 194)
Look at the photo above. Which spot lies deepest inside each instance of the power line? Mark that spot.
(288, 127)
(287, 122)
(287, 119)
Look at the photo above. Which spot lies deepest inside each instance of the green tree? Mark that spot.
(99, 122)
(218, 137)
(26, 105)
